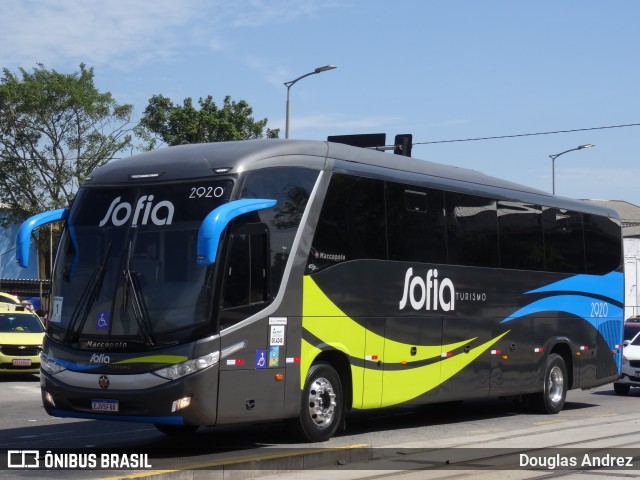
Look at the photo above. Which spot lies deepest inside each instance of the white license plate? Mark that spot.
(104, 405)
(21, 362)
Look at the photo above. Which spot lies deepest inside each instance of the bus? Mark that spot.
(290, 280)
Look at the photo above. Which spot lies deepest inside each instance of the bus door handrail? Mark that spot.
(216, 221)
(23, 237)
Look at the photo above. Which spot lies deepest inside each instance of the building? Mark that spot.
(630, 216)
(25, 282)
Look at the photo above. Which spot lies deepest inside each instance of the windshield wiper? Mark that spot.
(87, 298)
(132, 291)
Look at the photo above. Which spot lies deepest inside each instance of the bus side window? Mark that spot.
(472, 230)
(602, 244)
(563, 240)
(415, 216)
(521, 237)
(352, 223)
(246, 276)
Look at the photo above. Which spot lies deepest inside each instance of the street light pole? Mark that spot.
(290, 84)
(553, 163)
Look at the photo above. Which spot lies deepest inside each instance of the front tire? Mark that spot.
(322, 404)
(555, 386)
(621, 388)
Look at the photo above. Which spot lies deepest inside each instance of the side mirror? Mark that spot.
(23, 238)
(214, 224)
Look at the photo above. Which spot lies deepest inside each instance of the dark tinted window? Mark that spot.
(603, 244)
(631, 329)
(563, 242)
(351, 224)
(472, 230)
(521, 241)
(291, 188)
(416, 224)
(433, 226)
(246, 279)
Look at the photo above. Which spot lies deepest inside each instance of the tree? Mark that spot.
(163, 121)
(55, 128)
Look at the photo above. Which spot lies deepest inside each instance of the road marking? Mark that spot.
(237, 461)
(550, 422)
(485, 430)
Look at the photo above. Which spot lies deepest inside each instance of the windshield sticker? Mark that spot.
(261, 359)
(56, 310)
(274, 356)
(277, 335)
(103, 320)
(277, 320)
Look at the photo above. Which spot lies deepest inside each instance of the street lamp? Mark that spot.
(553, 163)
(290, 84)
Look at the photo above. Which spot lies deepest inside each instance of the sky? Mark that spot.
(440, 70)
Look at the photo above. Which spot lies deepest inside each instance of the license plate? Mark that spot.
(104, 405)
(21, 362)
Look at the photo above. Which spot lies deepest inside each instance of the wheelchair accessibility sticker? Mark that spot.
(261, 359)
(103, 320)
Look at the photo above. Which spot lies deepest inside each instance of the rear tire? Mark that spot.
(322, 404)
(621, 388)
(554, 388)
(170, 429)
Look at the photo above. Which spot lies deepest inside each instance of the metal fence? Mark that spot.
(24, 287)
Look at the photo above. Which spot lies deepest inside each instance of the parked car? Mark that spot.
(630, 374)
(21, 335)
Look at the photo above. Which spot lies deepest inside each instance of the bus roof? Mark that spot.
(206, 160)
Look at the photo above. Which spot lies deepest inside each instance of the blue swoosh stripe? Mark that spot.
(78, 367)
(577, 305)
(118, 418)
(609, 285)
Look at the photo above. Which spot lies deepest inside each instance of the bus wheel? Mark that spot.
(554, 393)
(621, 388)
(322, 405)
(170, 429)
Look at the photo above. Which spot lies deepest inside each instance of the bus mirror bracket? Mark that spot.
(216, 221)
(23, 238)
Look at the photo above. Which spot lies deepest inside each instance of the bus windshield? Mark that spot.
(126, 269)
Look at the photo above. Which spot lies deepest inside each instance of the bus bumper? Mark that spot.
(191, 400)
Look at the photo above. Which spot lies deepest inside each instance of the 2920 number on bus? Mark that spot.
(599, 309)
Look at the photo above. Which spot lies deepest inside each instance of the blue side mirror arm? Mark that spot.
(216, 221)
(23, 238)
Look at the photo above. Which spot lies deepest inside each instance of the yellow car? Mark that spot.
(21, 334)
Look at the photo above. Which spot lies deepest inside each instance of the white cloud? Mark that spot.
(97, 32)
(122, 33)
(260, 12)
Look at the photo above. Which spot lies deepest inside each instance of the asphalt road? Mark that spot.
(24, 425)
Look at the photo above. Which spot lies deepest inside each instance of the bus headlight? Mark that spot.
(624, 360)
(49, 365)
(190, 366)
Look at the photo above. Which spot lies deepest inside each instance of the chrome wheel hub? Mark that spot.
(322, 402)
(555, 387)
